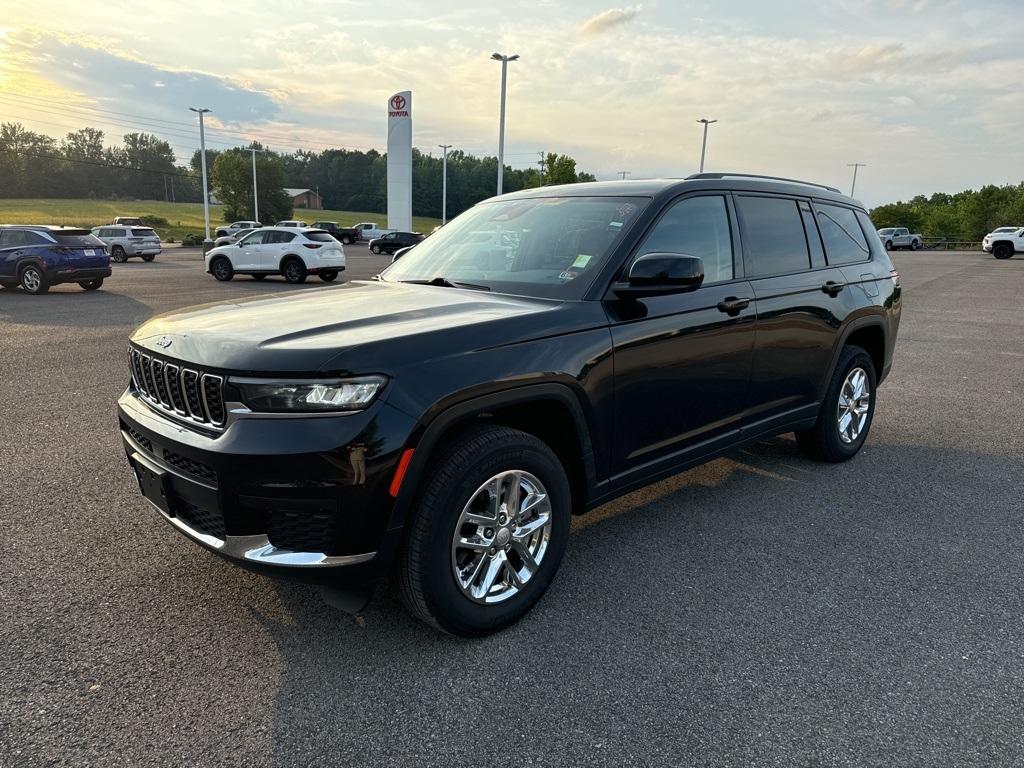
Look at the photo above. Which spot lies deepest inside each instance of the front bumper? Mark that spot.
(300, 497)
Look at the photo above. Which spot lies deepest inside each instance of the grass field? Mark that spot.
(183, 218)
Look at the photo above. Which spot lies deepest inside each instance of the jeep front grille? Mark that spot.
(185, 392)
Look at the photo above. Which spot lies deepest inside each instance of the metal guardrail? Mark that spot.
(950, 244)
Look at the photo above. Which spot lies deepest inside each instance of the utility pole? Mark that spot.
(704, 143)
(624, 174)
(504, 59)
(206, 190)
(855, 166)
(444, 184)
(255, 192)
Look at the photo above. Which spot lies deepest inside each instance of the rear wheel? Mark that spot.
(915, 245)
(328, 276)
(33, 280)
(91, 285)
(346, 240)
(846, 414)
(221, 269)
(294, 270)
(149, 258)
(1003, 251)
(489, 531)
(117, 254)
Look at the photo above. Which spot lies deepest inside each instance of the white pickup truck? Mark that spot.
(899, 237)
(368, 230)
(1003, 242)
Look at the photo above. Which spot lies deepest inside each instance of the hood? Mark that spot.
(321, 329)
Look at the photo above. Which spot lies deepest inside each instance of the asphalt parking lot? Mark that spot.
(759, 610)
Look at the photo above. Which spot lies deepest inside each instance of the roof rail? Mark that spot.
(759, 176)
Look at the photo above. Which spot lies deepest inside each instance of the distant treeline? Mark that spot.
(144, 167)
(968, 215)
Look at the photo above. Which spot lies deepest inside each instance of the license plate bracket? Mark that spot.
(153, 482)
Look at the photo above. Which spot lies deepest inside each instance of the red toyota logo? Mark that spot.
(398, 102)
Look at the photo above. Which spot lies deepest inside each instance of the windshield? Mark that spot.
(78, 237)
(550, 247)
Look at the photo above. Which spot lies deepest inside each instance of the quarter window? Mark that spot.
(844, 240)
(773, 236)
(696, 226)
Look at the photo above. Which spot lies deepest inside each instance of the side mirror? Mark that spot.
(657, 274)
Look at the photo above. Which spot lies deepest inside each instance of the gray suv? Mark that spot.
(124, 242)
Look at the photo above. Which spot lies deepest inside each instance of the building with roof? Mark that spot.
(305, 198)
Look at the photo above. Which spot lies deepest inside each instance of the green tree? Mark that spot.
(232, 180)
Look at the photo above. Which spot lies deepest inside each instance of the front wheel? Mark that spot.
(1002, 251)
(376, 249)
(221, 269)
(91, 285)
(888, 245)
(489, 530)
(846, 414)
(328, 276)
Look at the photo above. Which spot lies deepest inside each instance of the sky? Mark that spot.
(928, 93)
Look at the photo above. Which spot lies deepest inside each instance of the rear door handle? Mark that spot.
(732, 306)
(833, 288)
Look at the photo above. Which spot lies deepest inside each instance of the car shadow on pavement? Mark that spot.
(69, 305)
(760, 605)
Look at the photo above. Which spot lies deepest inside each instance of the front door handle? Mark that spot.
(732, 306)
(833, 288)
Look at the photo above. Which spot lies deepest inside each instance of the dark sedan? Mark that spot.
(394, 241)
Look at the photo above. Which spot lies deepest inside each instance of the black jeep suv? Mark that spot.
(546, 351)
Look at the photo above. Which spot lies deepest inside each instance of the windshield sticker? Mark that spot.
(582, 260)
(567, 275)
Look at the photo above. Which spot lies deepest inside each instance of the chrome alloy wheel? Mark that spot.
(501, 537)
(854, 405)
(31, 279)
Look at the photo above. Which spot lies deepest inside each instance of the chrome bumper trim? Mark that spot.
(258, 549)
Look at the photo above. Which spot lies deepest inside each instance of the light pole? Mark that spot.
(855, 166)
(704, 143)
(444, 184)
(504, 59)
(202, 157)
(255, 194)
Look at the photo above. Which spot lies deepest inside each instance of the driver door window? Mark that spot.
(251, 248)
(695, 226)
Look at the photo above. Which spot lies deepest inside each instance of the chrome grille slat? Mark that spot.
(188, 394)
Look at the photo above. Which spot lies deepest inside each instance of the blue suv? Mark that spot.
(36, 257)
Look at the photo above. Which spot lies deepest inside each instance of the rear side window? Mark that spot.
(695, 226)
(79, 237)
(319, 237)
(844, 241)
(773, 236)
(279, 237)
(143, 232)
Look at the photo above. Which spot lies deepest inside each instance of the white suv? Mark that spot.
(235, 227)
(124, 242)
(1004, 242)
(294, 253)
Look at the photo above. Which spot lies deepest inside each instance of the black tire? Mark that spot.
(118, 255)
(426, 579)
(91, 285)
(346, 240)
(294, 270)
(376, 249)
(823, 441)
(221, 269)
(259, 277)
(149, 258)
(888, 245)
(915, 245)
(32, 279)
(1002, 251)
(329, 276)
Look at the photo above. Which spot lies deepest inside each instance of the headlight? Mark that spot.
(309, 394)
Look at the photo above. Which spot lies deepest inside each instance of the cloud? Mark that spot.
(606, 20)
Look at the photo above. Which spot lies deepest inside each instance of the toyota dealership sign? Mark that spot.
(400, 161)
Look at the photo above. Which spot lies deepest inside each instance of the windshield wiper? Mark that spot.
(444, 282)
